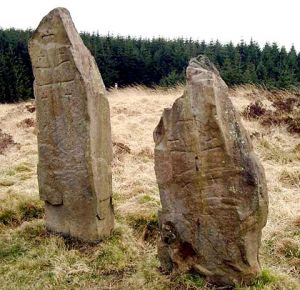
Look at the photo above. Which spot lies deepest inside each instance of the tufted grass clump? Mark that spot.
(139, 220)
(19, 211)
(266, 277)
(23, 167)
(8, 217)
(275, 153)
(269, 280)
(290, 177)
(144, 225)
(6, 182)
(289, 247)
(31, 209)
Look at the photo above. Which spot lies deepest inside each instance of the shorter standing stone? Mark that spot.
(212, 187)
(74, 134)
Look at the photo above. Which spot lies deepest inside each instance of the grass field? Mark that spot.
(31, 258)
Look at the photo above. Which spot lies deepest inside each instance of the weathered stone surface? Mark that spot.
(74, 134)
(212, 187)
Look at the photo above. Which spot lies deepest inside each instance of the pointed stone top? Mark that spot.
(61, 11)
(202, 62)
(56, 33)
(55, 21)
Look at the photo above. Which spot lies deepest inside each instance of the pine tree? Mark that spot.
(157, 61)
(261, 73)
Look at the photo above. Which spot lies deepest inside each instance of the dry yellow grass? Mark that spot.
(134, 114)
(30, 258)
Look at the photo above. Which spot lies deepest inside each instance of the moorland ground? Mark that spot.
(32, 258)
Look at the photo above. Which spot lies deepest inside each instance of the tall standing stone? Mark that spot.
(212, 187)
(74, 133)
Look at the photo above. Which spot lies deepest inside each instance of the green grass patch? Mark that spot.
(149, 200)
(118, 252)
(265, 278)
(268, 280)
(190, 281)
(11, 251)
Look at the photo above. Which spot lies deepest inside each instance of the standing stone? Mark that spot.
(74, 134)
(212, 187)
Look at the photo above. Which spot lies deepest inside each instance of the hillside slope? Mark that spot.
(31, 258)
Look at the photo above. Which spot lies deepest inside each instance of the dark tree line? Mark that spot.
(15, 67)
(128, 61)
